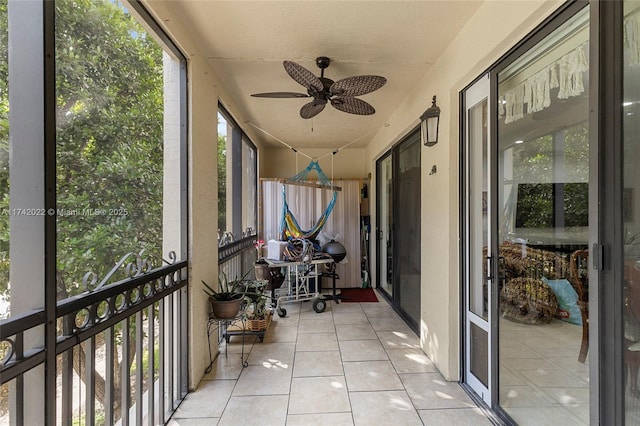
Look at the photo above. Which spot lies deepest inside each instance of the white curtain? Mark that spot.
(307, 204)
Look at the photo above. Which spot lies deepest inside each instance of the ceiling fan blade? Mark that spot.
(312, 109)
(303, 76)
(352, 105)
(280, 95)
(358, 85)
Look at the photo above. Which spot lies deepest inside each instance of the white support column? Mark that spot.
(173, 212)
(27, 194)
(171, 178)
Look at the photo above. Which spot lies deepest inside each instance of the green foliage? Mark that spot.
(145, 363)
(109, 141)
(534, 162)
(257, 300)
(80, 419)
(222, 182)
(533, 159)
(109, 138)
(4, 146)
(227, 290)
(537, 206)
(576, 152)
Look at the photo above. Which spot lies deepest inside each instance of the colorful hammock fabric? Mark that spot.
(289, 225)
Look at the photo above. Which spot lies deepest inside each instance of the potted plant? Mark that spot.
(257, 314)
(227, 300)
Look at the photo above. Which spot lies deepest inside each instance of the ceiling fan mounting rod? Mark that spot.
(322, 62)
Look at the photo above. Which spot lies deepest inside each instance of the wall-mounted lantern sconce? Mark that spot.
(430, 121)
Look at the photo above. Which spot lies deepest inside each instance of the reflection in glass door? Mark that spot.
(478, 284)
(630, 214)
(543, 229)
(407, 229)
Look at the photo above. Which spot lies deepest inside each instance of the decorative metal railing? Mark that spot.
(235, 259)
(121, 350)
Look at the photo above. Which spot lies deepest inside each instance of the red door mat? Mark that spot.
(358, 295)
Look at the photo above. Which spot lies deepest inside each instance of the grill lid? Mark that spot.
(335, 250)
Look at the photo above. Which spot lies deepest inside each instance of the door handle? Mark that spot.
(489, 266)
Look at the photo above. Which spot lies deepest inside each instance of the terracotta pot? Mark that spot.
(226, 309)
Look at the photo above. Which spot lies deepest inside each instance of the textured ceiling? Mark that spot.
(246, 41)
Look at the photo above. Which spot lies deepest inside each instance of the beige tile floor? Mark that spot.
(354, 364)
(541, 380)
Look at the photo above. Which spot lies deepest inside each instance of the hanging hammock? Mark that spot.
(289, 225)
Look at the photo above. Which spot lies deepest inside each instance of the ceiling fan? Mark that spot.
(341, 94)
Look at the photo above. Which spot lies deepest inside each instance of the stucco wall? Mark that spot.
(346, 164)
(496, 27)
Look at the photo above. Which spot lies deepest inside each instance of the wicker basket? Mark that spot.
(258, 324)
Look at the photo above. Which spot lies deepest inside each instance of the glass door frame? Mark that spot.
(470, 97)
(607, 264)
(380, 255)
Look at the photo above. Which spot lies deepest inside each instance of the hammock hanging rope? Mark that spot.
(289, 227)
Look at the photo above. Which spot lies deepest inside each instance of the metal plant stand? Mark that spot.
(222, 324)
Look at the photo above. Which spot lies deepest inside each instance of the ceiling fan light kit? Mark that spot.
(340, 94)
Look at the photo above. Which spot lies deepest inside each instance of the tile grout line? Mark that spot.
(293, 362)
(344, 374)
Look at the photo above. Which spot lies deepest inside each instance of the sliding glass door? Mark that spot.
(407, 244)
(551, 266)
(543, 229)
(398, 227)
(527, 182)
